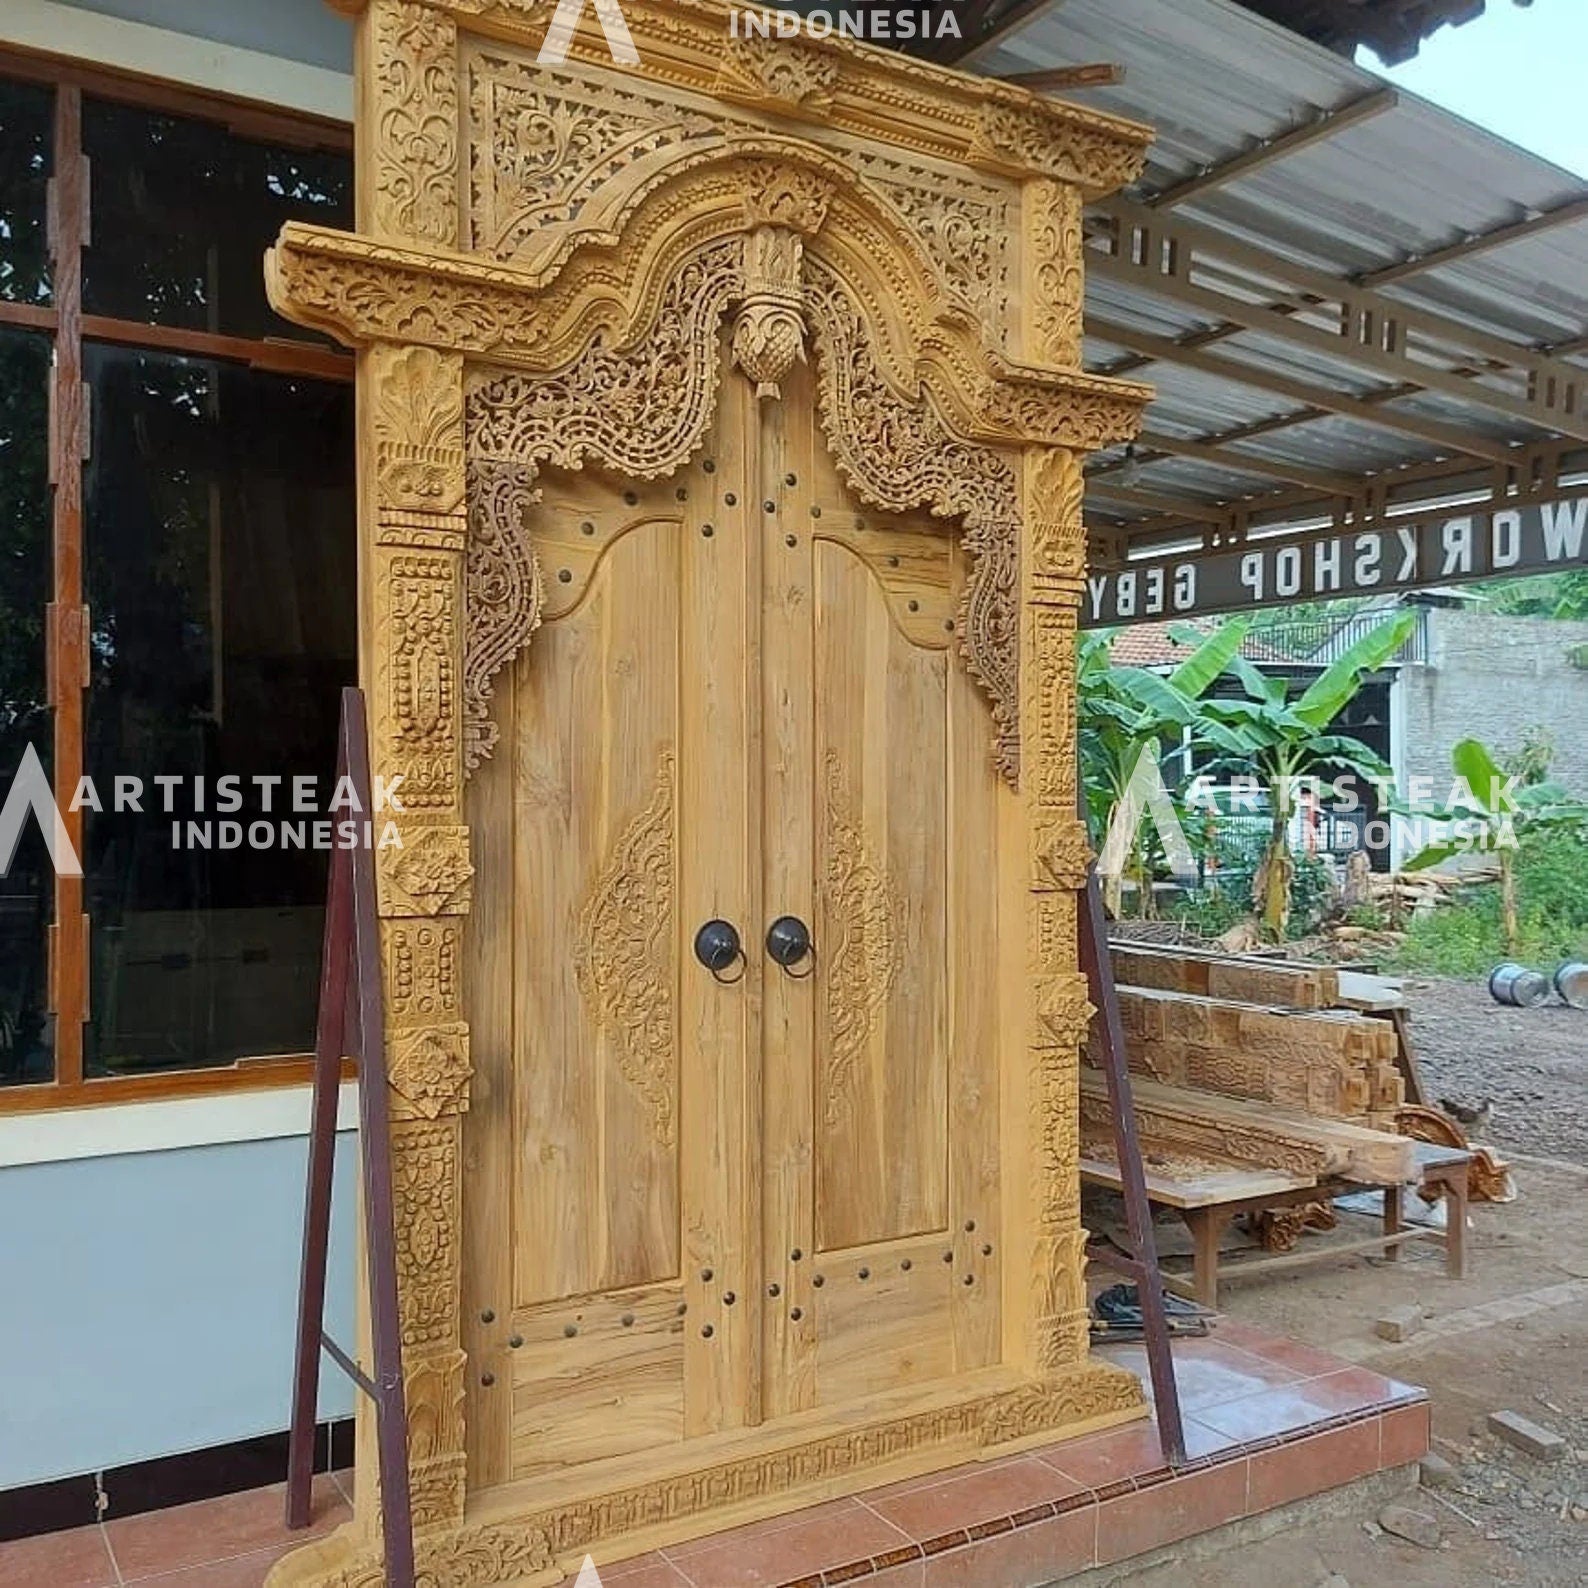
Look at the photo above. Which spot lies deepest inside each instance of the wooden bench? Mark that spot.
(1209, 1202)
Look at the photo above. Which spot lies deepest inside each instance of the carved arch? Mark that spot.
(895, 359)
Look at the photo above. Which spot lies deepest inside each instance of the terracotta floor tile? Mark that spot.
(1169, 1511)
(241, 1571)
(1294, 1406)
(234, 1524)
(912, 1574)
(1307, 1466)
(1103, 1458)
(1403, 1435)
(832, 1512)
(1307, 1360)
(765, 1558)
(1021, 1559)
(74, 1559)
(969, 1496)
(643, 1571)
(1208, 1371)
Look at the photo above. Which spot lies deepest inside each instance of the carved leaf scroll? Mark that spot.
(638, 410)
(623, 956)
(899, 454)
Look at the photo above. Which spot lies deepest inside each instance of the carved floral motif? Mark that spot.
(623, 953)
(862, 914)
(431, 874)
(962, 227)
(544, 143)
(429, 1071)
(418, 422)
(425, 1219)
(1055, 280)
(777, 74)
(416, 122)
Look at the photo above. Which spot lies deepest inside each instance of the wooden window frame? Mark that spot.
(67, 618)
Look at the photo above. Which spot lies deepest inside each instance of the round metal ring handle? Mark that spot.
(718, 948)
(788, 942)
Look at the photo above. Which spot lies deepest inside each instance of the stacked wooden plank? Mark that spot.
(1249, 1062)
(1254, 1029)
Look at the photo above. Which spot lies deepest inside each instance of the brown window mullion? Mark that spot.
(68, 618)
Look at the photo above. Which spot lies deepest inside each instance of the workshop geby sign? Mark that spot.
(1538, 538)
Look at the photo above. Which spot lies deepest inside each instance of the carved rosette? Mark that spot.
(778, 75)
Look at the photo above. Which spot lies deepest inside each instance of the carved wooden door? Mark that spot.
(612, 1141)
(880, 1069)
(722, 1199)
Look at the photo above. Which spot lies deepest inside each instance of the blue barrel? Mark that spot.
(1517, 985)
(1571, 982)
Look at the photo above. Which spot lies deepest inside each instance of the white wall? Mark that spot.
(148, 1300)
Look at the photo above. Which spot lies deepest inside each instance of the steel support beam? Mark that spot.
(1214, 450)
(1179, 260)
(1480, 243)
(1163, 349)
(1325, 125)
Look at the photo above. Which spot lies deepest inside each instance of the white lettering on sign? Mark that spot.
(1287, 572)
(1326, 566)
(1252, 573)
(1563, 528)
(1457, 540)
(1097, 588)
(1185, 587)
(1153, 604)
(1505, 539)
(1125, 595)
(1408, 569)
(1369, 553)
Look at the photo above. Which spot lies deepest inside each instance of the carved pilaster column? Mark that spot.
(1051, 561)
(412, 462)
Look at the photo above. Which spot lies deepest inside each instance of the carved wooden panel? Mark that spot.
(721, 429)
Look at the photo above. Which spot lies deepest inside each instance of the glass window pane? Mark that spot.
(25, 111)
(219, 544)
(183, 212)
(27, 889)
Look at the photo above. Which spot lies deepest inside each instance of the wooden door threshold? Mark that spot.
(536, 1532)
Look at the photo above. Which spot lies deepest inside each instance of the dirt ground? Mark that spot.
(1512, 1335)
(1532, 1063)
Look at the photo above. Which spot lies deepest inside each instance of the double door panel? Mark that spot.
(700, 1202)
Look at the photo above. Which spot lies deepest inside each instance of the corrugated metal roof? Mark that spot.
(1215, 81)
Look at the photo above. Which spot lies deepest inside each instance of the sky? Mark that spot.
(1519, 71)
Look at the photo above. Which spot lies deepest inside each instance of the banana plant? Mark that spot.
(1489, 813)
(1125, 712)
(1283, 741)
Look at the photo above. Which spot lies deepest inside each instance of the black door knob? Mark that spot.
(718, 948)
(788, 941)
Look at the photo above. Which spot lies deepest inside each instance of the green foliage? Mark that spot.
(1548, 595)
(1467, 938)
(1211, 913)
(1283, 741)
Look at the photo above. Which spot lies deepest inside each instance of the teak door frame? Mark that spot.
(479, 362)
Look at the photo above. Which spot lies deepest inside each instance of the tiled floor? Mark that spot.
(1268, 1421)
